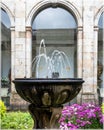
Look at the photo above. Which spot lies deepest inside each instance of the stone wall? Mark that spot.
(17, 103)
(87, 13)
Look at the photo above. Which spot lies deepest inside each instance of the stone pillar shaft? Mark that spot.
(79, 56)
(28, 50)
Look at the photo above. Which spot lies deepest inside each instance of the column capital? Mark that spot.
(28, 28)
(12, 28)
(96, 28)
(80, 28)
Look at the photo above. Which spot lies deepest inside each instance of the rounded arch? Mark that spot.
(97, 15)
(10, 14)
(44, 4)
(6, 22)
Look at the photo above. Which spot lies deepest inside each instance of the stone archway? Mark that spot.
(97, 15)
(11, 28)
(9, 12)
(99, 69)
(69, 6)
(5, 57)
(44, 3)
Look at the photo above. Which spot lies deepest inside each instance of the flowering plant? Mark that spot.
(81, 116)
(102, 107)
(2, 109)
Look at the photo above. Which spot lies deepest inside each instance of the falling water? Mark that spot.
(44, 66)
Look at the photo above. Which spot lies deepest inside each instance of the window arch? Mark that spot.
(53, 18)
(5, 54)
(57, 27)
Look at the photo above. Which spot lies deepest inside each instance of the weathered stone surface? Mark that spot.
(87, 13)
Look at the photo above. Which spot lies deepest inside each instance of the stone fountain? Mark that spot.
(49, 89)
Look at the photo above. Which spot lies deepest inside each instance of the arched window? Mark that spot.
(55, 29)
(5, 55)
(100, 51)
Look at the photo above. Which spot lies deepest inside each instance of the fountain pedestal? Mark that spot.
(46, 97)
(45, 118)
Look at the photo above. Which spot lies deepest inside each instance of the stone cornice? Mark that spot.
(96, 28)
(80, 28)
(12, 28)
(28, 28)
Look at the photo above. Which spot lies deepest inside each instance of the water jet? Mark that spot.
(49, 89)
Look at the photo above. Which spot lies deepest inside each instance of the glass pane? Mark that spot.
(101, 21)
(54, 44)
(52, 18)
(5, 48)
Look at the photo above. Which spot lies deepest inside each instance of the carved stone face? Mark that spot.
(46, 99)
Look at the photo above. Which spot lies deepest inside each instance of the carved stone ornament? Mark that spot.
(46, 97)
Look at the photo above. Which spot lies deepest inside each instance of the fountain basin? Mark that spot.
(48, 92)
(46, 97)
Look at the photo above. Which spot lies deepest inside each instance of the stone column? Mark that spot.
(18, 52)
(12, 57)
(28, 51)
(95, 60)
(88, 91)
(79, 56)
(20, 40)
(79, 51)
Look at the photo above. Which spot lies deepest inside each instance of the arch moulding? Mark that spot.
(10, 14)
(44, 3)
(97, 15)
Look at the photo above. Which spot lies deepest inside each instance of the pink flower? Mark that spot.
(79, 116)
(91, 113)
(102, 119)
